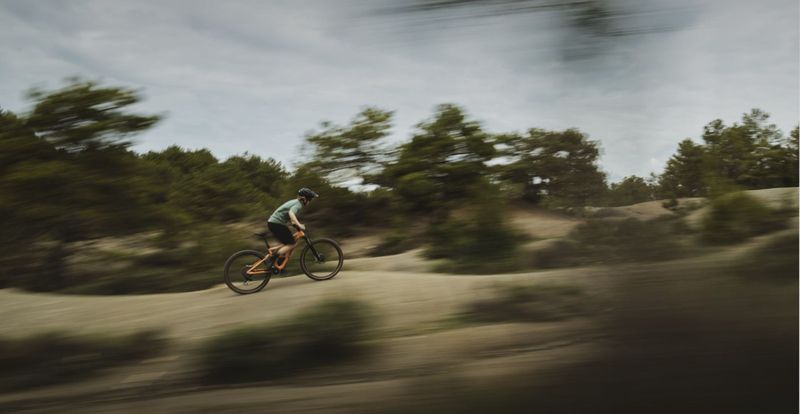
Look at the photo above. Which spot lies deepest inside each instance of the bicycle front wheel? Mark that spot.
(246, 272)
(321, 259)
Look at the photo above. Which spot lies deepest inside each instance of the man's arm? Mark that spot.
(294, 220)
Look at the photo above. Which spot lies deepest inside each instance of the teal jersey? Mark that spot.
(281, 214)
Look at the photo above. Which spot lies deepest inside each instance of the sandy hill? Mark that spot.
(417, 335)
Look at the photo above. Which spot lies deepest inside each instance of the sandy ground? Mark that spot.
(416, 341)
(542, 224)
(407, 300)
(414, 312)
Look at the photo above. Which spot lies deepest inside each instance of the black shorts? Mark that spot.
(281, 232)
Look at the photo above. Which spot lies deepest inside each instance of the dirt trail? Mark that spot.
(405, 300)
(413, 306)
(414, 349)
(412, 309)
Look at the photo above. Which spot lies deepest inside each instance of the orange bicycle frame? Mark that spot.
(252, 270)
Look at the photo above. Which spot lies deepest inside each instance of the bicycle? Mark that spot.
(249, 271)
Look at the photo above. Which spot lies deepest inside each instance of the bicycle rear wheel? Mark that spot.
(236, 272)
(323, 261)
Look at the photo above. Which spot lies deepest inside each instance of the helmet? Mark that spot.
(307, 193)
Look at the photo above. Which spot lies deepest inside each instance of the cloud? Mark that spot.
(253, 76)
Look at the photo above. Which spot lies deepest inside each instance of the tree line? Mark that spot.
(68, 173)
(451, 159)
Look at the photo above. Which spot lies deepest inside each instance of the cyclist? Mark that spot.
(285, 215)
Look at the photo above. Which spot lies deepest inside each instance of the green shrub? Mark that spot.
(612, 241)
(527, 303)
(480, 244)
(683, 208)
(328, 332)
(57, 357)
(735, 217)
(670, 203)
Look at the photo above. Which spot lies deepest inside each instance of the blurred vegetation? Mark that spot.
(442, 166)
(328, 332)
(166, 266)
(737, 216)
(611, 241)
(68, 176)
(687, 336)
(748, 155)
(775, 261)
(630, 190)
(481, 242)
(555, 168)
(356, 151)
(56, 357)
(394, 244)
(527, 303)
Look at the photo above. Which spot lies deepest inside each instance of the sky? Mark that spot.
(256, 76)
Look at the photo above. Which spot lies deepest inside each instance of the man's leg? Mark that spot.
(286, 249)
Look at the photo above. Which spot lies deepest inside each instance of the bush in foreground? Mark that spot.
(777, 260)
(527, 303)
(56, 357)
(735, 217)
(328, 332)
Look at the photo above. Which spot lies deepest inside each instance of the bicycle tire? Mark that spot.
(326, 245)
(234, 276)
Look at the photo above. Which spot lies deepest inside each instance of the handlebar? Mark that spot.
(305, 231)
